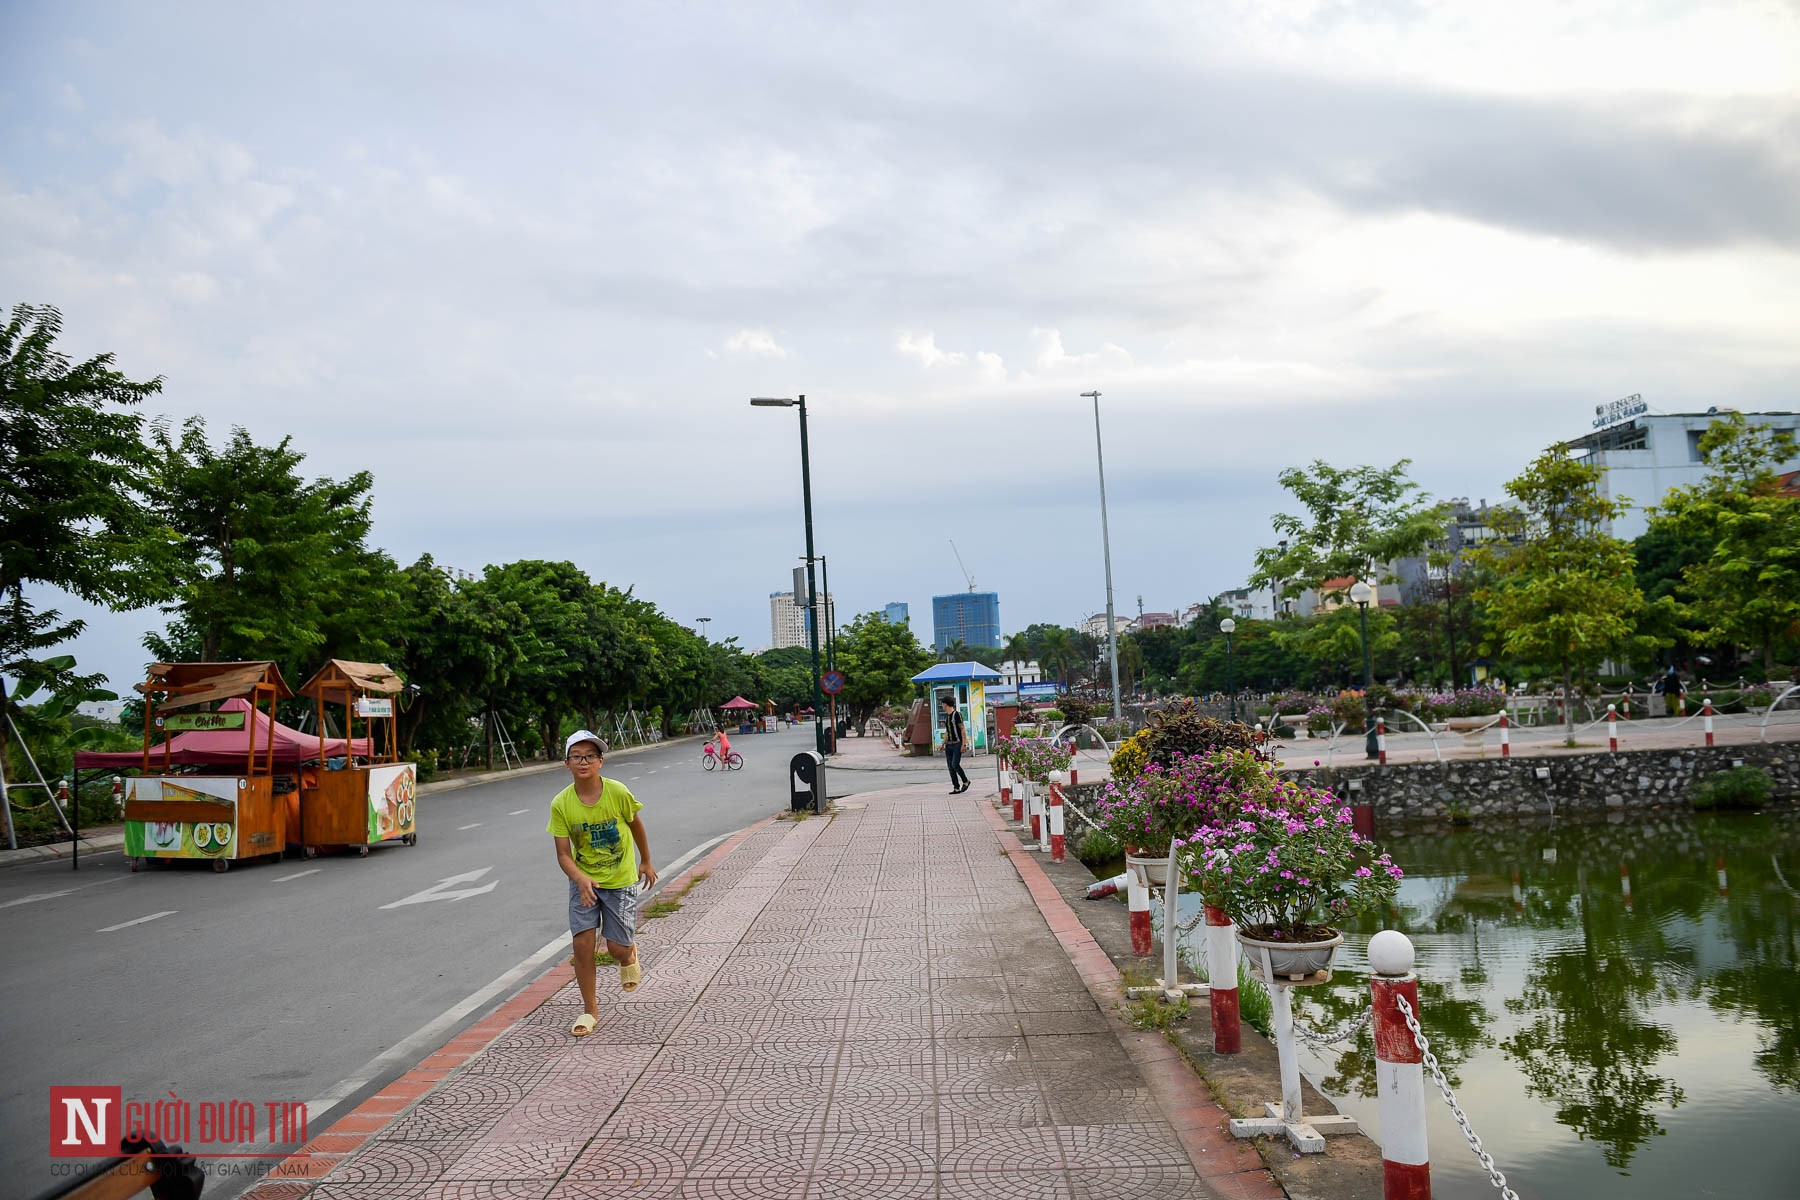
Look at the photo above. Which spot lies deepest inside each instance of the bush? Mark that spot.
(1740, 787)
(1129, 757)
(1076, 710)
(1347, 710)
(1053, 716)
(1179, 729)
(426, 761)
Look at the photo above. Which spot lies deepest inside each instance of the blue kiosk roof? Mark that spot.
(962, 672)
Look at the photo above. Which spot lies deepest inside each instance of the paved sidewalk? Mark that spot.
(878, 1003)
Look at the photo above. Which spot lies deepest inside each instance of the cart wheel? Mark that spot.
(411, 839)
(309, 852)
(221, 865)
(362, 851)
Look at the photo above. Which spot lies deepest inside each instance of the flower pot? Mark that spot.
(1154, 868)
(1291, 961)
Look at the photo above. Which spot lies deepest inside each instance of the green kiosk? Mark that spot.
(967, 682)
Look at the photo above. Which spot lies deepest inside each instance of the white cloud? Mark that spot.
(1051, 358)
(923, 347)
(754, 341)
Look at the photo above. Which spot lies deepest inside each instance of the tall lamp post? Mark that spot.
(701, 622)
(1229, 627)
(1112, 630)
(1362, 593)
(812, 588)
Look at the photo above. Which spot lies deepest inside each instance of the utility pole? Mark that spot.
(1112, 628)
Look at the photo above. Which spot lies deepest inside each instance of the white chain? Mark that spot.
(1431, 1062)
(1350, 1030)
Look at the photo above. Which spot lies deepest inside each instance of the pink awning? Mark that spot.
(228, 748)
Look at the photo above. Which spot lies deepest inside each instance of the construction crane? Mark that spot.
(960, 563)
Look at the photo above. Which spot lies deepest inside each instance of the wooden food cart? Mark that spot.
(228, 813)
(369, 800)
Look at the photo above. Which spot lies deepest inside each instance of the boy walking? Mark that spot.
(589, 820)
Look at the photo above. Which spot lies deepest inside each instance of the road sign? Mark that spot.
(831, 682)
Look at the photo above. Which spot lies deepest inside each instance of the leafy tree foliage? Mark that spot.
(1562, 593)
(878, 658)
(72, 466)
(268, 564)
(1740, 581)
(1356, 519)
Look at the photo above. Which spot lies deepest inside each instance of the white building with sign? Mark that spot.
(1641, 455)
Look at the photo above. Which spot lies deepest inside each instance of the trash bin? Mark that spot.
(806, 778)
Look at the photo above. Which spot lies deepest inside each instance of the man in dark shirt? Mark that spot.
(956, 740)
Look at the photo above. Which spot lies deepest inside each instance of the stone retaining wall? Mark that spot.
(1575, 783)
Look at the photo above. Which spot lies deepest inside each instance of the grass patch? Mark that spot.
(663, 906)
(1739, 787)
(1152, 1013)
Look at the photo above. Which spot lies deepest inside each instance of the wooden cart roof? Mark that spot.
(340, 673)
(188, 684)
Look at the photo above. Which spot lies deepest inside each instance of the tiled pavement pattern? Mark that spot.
(870, 1005)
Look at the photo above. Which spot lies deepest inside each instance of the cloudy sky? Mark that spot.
(527, 263)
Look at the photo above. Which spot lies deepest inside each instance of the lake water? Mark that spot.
(1618, 1006)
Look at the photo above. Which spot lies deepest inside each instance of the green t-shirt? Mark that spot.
(599, 835)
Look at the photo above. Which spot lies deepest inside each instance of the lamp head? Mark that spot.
(772, 402)
(1361, 592)
(1227, 626)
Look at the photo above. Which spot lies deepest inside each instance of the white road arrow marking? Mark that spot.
(441, 890)
(139, 921)
(296, 875)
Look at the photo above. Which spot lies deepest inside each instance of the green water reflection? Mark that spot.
(1617, 1020)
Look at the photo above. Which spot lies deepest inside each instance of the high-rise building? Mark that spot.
(972, 618)
(787, 620)
(896, 613)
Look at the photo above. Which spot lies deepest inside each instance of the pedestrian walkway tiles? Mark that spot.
(864, 1005)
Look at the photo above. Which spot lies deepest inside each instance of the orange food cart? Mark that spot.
(226, 814)
(369, 799)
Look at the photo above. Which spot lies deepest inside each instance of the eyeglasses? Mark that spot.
(584, 758)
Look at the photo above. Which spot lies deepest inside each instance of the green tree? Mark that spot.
(1356, 520)
(269, 564)
(878, 659)
(72, 479)
(1562, 593)
(1743, 583)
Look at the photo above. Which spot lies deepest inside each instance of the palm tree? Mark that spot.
(1017, 650)
(1056, 653)
(956, 651)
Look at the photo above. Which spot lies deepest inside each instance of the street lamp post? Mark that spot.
(1112, 631)
(701, 622)
(812, 588)
(1362, 593)
(1228, 627)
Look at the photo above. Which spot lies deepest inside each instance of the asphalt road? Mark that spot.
(312, 981)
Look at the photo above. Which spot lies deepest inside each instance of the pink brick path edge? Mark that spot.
(1230, 1166)
(292, 1177)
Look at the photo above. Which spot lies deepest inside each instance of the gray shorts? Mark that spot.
(615, 914)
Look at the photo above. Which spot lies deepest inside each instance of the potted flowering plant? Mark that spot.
(1034, 758)
(1286, 867)
(1166, 802)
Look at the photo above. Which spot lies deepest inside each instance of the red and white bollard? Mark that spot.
(1399, 1070)
(1612, 729)
(1381, 741)
(1021, 789)
(118, 796)
(1627, 698)
(62, 795)
(1505, 736)
(1221, 967)
(1137, 899)
(1056, 816)
(1035, 806)
(1561, 716)
(1706, 716)
(1005, 788)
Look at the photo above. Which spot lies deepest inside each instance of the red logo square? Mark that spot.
(85, 1122)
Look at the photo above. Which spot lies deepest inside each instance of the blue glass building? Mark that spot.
(971, 617)
(896, 613)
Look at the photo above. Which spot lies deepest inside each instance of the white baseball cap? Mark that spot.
(584, 735)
